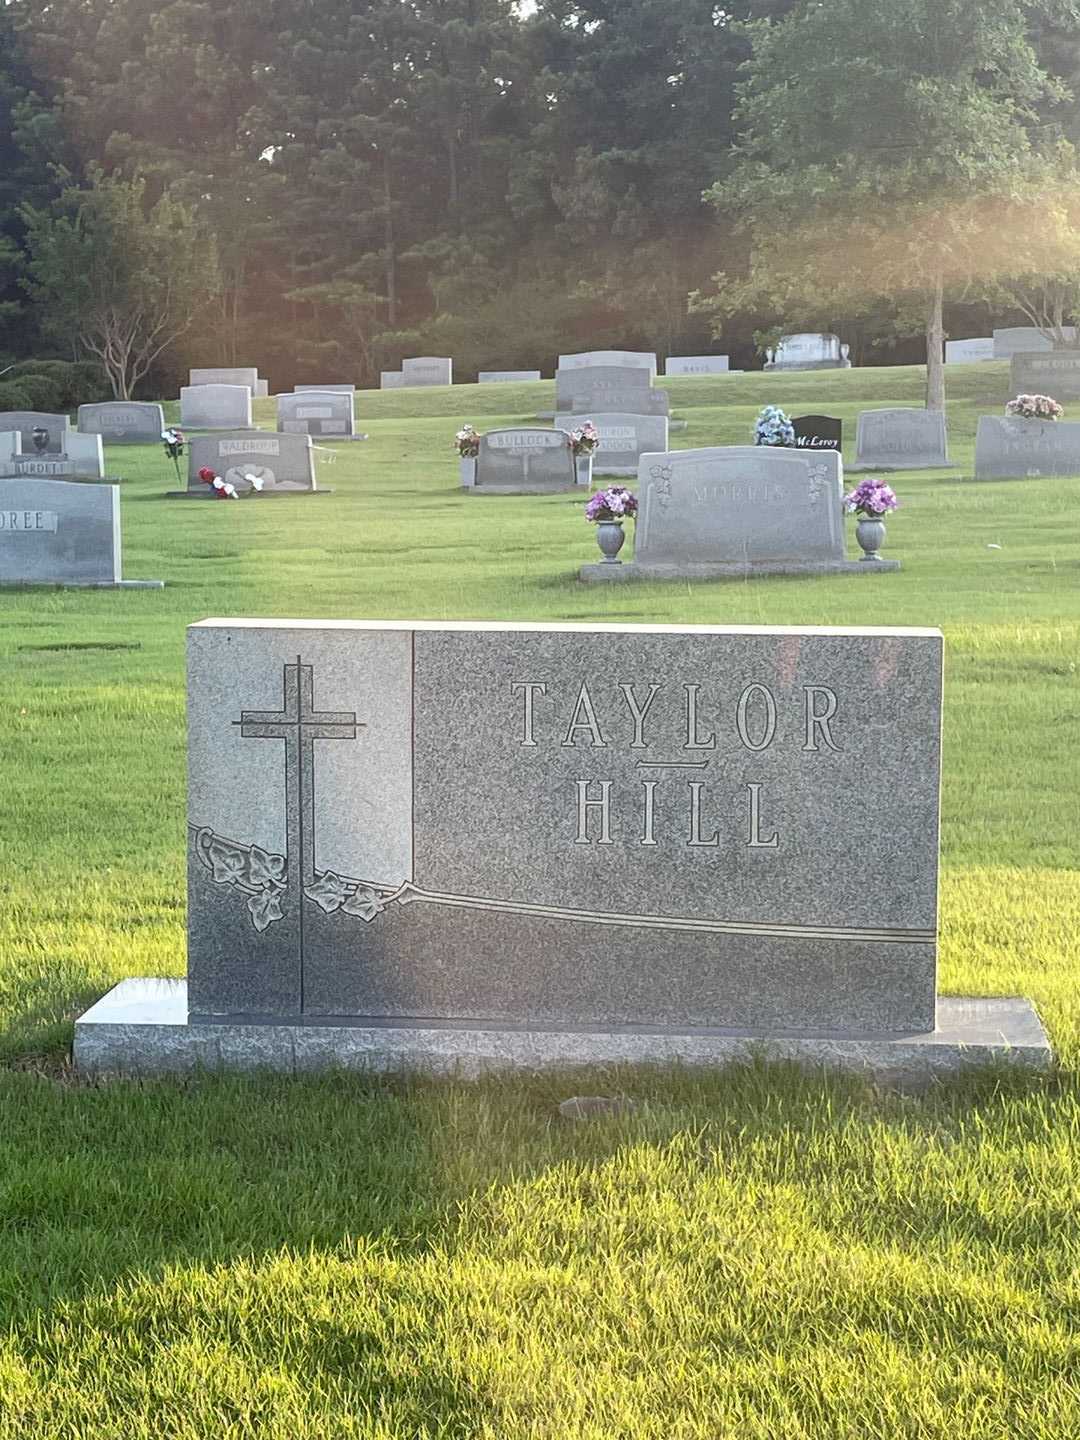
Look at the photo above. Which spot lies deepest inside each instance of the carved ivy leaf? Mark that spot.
(265, 908)
(227, 863)
(266, 869)
(328, 891)
(365, 904)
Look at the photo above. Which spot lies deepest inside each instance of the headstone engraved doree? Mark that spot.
(1026, 339)
(123, 422)
(623, 439)
(42, 431)
(696, 365)
(215, 407)
(525, 461)
(448, 845)
(611, 388)
(901, 440)
(284, 463)
(1009, 446)
(818, 432)
(1056, 374)
(53, 532)
(326, 413)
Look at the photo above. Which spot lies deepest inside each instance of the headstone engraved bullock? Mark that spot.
(524, 461)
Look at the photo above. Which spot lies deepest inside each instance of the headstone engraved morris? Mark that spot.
(455, 844)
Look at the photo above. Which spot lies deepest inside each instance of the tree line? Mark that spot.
(320, 189)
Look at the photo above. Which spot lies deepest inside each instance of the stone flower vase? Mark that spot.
(610, 538)
(468, 471)
(583, 465)
(870, 533)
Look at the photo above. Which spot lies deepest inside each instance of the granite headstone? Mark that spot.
(215, 407)
(391, 380)
(321, 413)
(43, 432)
(1007, 445)
(123, 422)
(907, 439)
(615, 389)
(632, 359)
(818, 432)
(1055, 373)
(696, 365)
(623, 439)
(809, 352)
(966, 352)
(222, 375)
(1026, 340)
(342, 389)
(502, 377)
(284, 463)
(54, 532)
(83, 457)
(427, 370)
(524, 461)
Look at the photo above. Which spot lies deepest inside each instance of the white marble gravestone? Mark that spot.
(427, 370)
(60, 533)
(503, 377)
(809, 352)
(470, 845)
(902, 439)
(123, 422)
(966, 352)
(326, 414)
(223, 375)
(284, 463)
(215, 407)
(623, 438)
(391, 380)
(524, 461)
(1006, 445)
(696, 365)
(628, 359)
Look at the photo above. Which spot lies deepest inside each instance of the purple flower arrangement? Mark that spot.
(872, 498)
(1034, 407)
(615, 503)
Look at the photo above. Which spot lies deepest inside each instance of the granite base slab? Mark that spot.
(207, 494)
(524, 489)
(605, 573)
(141, 1028)
(82, 584)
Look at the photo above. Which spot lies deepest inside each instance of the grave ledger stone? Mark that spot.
(1055, 373)
(123, 422)
(737, 510)
(901, 440)
(54, 532)
(617, 389)
(524, 461)
(215, 407)
(319, 413)
(471, 845)
(1006, 445)
(818, 432)
(284, 463)
(623, 438)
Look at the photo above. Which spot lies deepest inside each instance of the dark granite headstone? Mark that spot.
(818, 432)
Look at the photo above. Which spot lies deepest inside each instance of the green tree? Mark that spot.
(889, 149)
(126, 279)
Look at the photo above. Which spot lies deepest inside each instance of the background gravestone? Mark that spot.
(223, 375)
(53, 532)
(901, 439)
(525, 461)
(305, 389)
(818, 432)
(809, 352)
(215, 407)
(55, 428)
(1026, 340)
(327, 414)
(498, 377)
(611, 388)
(628, 359)
(391, 380)
(965, 352)
(623, 439)
(696, 365)
(427, 370)
(1009, 446)
(123, 422)
(1055, 373)
(284, 463)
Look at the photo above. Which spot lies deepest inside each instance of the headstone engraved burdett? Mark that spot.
(284, 463)
(818, 432)
(524, 461)
(737, 510)
(123, 422)
(326, 413)
(460, 844)
(1007, 445)
(901, 440)
(53, 532)
(43, 433)
(1056, 374)
(82, 457)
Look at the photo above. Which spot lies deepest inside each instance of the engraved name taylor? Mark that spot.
(626, 719)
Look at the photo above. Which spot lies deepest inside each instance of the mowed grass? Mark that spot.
(755, 1254)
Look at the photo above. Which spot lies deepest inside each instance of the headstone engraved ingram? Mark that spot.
(512, 844)
(1006, 445)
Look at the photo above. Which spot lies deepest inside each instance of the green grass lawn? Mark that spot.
(762, 1254)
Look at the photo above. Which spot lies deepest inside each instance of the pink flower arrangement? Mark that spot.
(467, 442)
(615, 503)
(584, 438)
(1034, 407)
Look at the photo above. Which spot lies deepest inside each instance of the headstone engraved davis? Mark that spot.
(1056, 373)
(696, 365)
(476, 845)
(222, 375)
(502, 377)
(809, 352)
(215, 407)
(53, 532)
(1007, 445)
(818, 432)
(612, 388)
(427, 370)
(325, 413)
(525, 461)
(906, 439)
(623, 439)
(630, 359)
(966, 352)
(43, 433)
(123, 422)
(1026, 340)
(284, 463)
